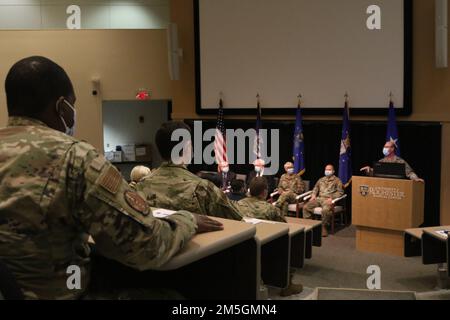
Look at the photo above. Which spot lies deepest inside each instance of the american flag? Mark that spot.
(220, 143)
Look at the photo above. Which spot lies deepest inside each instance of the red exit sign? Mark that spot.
(143, 95)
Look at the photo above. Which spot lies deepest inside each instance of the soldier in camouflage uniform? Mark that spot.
(56, 190)
(172, 186)
(256, 206)
(326, 190)
(389, 152)
(290, 186)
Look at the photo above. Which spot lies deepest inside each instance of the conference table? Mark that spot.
(313, 233)
(216, 265)
(232, 262)
(432, 244)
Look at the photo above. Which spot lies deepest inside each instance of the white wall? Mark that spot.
(121, 124)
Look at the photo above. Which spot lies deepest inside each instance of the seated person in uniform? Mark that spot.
(390, 156)
(172, 186)
(237, 190)
(326, 190)
(290, 186)
(138, 173)
(256, 205)
(56, 190)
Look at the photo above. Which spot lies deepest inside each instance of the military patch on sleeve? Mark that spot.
(136, 202)
(98, 163)
(111, 180)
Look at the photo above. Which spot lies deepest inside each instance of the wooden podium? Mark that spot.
(383, 209)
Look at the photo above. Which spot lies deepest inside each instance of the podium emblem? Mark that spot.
(364, 190)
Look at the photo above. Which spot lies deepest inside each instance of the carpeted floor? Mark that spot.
(337, 264)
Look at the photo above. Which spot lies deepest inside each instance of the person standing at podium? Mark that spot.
(391, 157)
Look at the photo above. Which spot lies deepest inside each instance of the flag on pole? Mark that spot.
(345, 158)
(392, 130)
(257, 146)
(220, 143)
(299, 145)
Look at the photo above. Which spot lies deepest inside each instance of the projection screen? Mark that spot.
(320, 49)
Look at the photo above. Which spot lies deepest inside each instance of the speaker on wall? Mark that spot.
(441, 33)
(175, 53)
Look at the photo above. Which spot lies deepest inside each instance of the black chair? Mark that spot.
(9, 289)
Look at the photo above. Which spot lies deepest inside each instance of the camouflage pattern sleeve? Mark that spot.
(410, 172)
(117, 217)
(339, 189)
(316, 189)
(299, 186)
(213, 202)
(275, 214)
(282, 186)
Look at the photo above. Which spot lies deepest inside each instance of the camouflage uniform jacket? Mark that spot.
(291, 183)
(409, 171)
(56, 190)
(173, 187)
(253, 207)
(329, 187)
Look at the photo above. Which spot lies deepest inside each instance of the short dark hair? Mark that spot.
(163, 138)
(237, 185)
(257, 186)
(33, 83)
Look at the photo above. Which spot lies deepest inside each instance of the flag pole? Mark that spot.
(347, 109)
(258, 103)
(300, 97)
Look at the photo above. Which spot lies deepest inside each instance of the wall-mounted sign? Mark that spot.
(83, 14)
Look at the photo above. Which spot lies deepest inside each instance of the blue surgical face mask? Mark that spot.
(70, 131)
(386, 152)
(328, 173)
(290, 171)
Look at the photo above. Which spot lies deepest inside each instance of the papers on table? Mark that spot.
(443, 233)
(257, 221)
(162, 213)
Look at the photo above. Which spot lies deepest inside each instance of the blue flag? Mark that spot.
(299, 144)
(345, 159)
(392, 131)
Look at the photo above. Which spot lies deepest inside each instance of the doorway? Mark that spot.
(130, 127)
